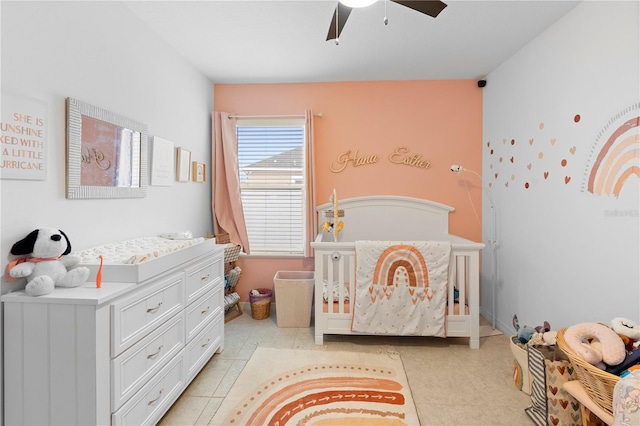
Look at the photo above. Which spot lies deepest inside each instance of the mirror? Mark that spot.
(106, 153)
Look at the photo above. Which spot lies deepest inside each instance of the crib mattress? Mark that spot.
(140, 259)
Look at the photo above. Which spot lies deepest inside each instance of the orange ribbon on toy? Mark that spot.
(99, 274)
(26, 259)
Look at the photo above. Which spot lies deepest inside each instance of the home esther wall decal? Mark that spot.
(400, 155)
(353, 158)
(23, 138)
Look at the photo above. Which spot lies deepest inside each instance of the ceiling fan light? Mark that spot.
(357, 3)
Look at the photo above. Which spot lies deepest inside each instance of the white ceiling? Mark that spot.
(267, 41)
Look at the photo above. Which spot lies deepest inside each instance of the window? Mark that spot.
(271, 163)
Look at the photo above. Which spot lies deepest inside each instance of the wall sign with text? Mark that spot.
(23, 138)
(400, 155)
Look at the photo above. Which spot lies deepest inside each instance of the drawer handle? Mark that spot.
(156, 353)
(154, 400)
(205, 344)
(206, 310)
(151, 310)
(206, 277)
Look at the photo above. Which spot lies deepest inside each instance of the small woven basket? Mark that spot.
(596, 382)
(261, 304)
(222, 238)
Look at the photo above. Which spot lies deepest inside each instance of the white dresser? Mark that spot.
(121, 354)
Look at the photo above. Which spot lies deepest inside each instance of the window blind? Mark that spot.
(271, 164)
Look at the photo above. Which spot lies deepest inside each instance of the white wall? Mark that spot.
(100, 53)
(565, 255)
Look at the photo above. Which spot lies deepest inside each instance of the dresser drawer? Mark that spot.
(203, 346)
(199, 313)
(202, 277)
(137, 315)
(151, 402)
(135, 366)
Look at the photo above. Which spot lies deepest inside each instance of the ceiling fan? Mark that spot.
(344, 8)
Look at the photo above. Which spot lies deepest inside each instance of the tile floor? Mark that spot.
(451, 384)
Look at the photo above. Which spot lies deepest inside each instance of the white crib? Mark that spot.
(392, 218)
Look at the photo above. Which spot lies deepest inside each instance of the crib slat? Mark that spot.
(452, 279)
(341, 284)
(329, 281)
(461, 266)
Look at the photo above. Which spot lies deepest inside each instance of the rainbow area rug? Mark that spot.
(321, 388)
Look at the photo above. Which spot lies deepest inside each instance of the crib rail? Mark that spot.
(337, 280)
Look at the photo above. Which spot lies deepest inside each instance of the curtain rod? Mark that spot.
(319, 114)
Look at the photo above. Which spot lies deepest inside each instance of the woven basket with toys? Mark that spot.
(600, 355)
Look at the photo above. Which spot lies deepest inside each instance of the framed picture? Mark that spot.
(183, 161)
(199, 171)
(23, 132)
(161, 162)
(96, 167)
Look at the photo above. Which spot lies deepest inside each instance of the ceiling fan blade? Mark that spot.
(428, 7)
(343, 14)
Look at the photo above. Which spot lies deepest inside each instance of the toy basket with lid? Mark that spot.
(596, 382)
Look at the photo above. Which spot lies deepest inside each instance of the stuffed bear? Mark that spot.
(43, 258)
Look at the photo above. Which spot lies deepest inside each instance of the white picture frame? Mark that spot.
(25, 139)
(161, 162)
(94, 170)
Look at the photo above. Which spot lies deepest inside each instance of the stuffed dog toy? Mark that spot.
(43, 258)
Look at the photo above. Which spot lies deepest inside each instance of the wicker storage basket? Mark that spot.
(597, 383)
(231, 253)
(222, 238)
(261, 304)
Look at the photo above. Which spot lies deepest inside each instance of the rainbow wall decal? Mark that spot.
(401, 265)
(617, 160)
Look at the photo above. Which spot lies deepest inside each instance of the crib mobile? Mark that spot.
(336, 226)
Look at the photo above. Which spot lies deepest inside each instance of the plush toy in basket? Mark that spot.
(42, 257)
(540, 335)
(590, 344)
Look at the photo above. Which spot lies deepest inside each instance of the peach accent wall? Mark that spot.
(439, 120)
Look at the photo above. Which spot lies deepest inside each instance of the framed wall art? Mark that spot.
(161, 162)
(183, 161)
(23, 131)
(199, 171)
(106, 153)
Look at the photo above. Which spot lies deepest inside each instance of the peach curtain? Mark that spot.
(227, 202)
(310, 180)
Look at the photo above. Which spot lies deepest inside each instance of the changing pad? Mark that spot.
(135, 251)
